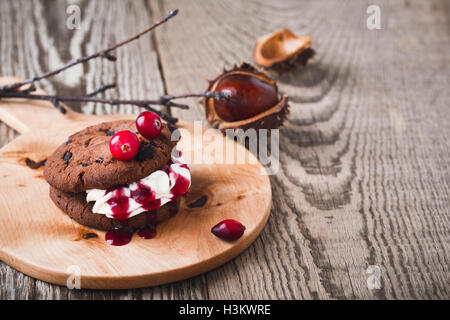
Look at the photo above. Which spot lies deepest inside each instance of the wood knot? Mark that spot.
(200, 202)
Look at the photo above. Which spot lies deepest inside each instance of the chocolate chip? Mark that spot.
(100, 160)
(68, 142)
(67, 157)
(108, 132)
(145, 152)
(84, 164)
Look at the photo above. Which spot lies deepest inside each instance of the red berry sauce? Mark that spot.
(121, 235)
(145, 196)
(119, 204)
(181, 183)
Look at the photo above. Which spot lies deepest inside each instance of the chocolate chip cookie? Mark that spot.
(85, 162)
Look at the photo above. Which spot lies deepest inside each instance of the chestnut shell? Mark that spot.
(271, 118)
(282, 50)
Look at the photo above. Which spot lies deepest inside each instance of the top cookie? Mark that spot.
(84, 161)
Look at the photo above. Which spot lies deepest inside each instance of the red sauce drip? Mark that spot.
(147, 232)
(119, 205)
(173, 207)
(121, 235)
(181, 183)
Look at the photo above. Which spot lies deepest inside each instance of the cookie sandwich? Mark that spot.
(120, 176)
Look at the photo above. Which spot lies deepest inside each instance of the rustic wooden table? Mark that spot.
(364, 177)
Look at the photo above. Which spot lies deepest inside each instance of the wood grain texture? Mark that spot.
(364, 176)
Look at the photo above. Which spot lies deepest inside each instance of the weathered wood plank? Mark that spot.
(361, 181)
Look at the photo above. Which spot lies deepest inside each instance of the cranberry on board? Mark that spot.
(228, 230)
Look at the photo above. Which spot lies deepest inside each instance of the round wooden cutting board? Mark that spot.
(41, 241)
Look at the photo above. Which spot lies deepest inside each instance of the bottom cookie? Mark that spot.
(76, 207)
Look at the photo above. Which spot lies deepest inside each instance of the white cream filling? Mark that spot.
(159, 181)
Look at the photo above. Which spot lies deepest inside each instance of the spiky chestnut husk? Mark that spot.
(272, 51)
(271, 118)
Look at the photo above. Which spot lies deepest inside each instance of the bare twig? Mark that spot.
(163, 100)
(103, 53)
(31, 88)
(103, 88)
(222, 96)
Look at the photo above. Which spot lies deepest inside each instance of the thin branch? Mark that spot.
(58, 105)
(103, 53)
(163, 100)
(139, 103)
(31, 88)
(223, 96)
(103, 88)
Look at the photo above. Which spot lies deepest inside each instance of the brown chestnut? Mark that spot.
(249, 96)
(254, 100)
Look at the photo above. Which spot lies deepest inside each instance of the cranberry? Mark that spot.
(149, 124)
(228, 230)
(250, 96)
(124, 145)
